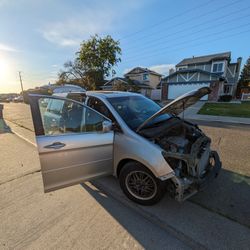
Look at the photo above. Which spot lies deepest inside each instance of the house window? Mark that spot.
(218, 67)
(181, 68)
(145, 77)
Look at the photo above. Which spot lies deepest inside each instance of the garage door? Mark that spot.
(177, 90)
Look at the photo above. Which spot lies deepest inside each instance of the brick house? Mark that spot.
(215, 71)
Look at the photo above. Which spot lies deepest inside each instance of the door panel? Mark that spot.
(72, 146)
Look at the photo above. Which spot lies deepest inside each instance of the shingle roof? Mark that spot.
(146, 70)
(128, 81)
(204, 59)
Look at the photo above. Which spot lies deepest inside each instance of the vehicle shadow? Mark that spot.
(4, 128)
(148, 235)
(228, 195)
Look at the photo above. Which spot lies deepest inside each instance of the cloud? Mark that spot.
(73, 30)
(162, 68)
(4, 47)
(95, 18)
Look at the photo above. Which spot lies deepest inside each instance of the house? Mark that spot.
(145, 79)
(215, 71)
(125, 84)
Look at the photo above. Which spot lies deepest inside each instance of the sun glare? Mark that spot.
(3, 69)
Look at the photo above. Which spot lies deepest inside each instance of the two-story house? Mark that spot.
(215, 71)
(145, 79)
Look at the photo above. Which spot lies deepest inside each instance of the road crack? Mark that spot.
(21, 176)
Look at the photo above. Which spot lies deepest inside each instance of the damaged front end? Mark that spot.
(187, 150)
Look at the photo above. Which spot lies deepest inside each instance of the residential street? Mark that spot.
(97, 215)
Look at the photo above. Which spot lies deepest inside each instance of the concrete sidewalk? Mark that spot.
(77, 218)
(192, 114)
(70, 218)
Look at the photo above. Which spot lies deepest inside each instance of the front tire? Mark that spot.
(140, 185)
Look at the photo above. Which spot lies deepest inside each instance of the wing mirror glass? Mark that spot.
(106, 126)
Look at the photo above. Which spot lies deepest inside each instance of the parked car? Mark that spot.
(150, 149)
(4, 99)
(18, 99)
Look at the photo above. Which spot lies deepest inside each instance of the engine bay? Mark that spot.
(186, 149)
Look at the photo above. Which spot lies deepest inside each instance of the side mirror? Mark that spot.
(106, 126)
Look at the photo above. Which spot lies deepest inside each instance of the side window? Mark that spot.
(79, 97)
(55, 107)
(99, 106)
(65, 116)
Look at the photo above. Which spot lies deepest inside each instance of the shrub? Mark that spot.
(225, 98)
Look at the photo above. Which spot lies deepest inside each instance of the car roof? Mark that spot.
(65, 94)
(111, 94)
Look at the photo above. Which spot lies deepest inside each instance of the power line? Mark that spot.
(183, 36)
(199, 44)
(155, 41)
(212, 34)
(189, 20)
(166, 19)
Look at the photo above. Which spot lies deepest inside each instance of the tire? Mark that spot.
(140, 185)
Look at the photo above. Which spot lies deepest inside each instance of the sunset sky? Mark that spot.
(38, 36)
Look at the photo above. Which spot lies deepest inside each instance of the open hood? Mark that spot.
(179, 104)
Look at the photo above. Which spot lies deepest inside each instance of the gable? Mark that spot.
(136, 71)
(191, 76)
(139, 70)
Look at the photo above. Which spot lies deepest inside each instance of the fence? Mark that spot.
(245, 97)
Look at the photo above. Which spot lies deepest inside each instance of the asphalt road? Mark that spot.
(217, 218)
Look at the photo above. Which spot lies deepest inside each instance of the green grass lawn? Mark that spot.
(226, 109)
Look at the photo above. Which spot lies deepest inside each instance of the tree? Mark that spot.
(75, 73)
(245, 75)
(94, 61)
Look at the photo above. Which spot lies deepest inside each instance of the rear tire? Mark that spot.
(140, 185)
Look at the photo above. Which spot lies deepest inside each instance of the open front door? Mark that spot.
(75, 143)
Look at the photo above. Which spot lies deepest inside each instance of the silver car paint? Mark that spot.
(87, 156)
(130, 145)
(84, 157)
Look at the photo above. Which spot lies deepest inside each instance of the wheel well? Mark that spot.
(121, 164)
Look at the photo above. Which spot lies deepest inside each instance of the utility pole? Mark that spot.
(21, 82)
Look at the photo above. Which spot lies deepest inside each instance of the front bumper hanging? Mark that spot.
(214, 169)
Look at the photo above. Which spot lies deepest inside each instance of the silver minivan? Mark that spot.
(149, 148)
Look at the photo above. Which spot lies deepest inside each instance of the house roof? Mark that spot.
(127, 81)
(142, 70)
(204, 59)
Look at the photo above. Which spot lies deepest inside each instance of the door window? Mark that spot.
(99, 106)
(65, 116)
(79, 97)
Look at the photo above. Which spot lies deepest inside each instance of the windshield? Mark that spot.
(134, 110)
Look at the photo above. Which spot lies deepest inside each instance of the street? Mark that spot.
(97, 214)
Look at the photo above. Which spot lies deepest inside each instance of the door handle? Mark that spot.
(55, 145)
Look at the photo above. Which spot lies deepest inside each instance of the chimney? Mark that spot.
(239, 59)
